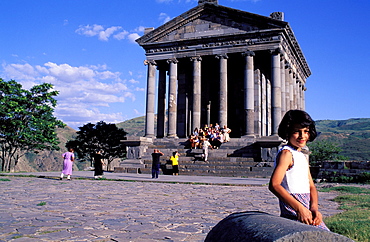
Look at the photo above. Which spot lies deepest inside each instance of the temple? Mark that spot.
(214, 64)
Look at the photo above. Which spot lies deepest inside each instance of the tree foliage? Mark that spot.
(324, 150)
(27, 123)
(99, 136)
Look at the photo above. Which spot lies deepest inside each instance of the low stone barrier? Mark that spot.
(259, 226)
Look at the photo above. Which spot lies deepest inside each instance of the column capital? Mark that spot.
(150, 62)
(248, 53)
(288, 66)
(222, 56)
(276, 51)
(196, 58)
(172, 60)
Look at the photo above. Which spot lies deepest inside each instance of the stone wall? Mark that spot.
(345, 170)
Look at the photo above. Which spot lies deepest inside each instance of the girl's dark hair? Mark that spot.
(174, 153)
(299, 117)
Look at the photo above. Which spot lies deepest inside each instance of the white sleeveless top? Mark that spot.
(296, 178)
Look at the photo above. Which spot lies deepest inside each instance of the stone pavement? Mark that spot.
(130, 207)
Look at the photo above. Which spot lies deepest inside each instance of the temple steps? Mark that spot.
(225, 161)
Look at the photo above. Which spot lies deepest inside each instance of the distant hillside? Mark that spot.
(352, 135)
(134, 127)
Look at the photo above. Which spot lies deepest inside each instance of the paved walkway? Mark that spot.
(214, 180)
(171, 208)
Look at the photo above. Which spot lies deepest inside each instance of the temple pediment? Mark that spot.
(209, 21)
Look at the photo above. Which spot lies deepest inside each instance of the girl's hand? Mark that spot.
(317, 217)
(304, 215)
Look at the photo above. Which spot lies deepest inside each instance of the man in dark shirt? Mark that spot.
(156, 155)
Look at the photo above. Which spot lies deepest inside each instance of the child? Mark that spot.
(175, 163)
(205, 147)
(291, 180)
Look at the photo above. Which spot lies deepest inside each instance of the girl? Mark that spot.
(291, 180)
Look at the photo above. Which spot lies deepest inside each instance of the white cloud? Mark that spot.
(89, 30)
(121, 35)
(104, 34)
(133, 81)
(83, 90)
(133, 37)
(140, 29)
(164, 18)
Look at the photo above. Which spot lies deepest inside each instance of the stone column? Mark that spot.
(150, 96)
(258, 103)
(223, 89)
(276, 90)
(287, 87)
(264, 103)
(299, 94)
(249, 93)
(268, 108)
(283, 93)
(196, 118)
(161, 114)
(291, 89)
(296, 92)
(172, 99)
(304, 98)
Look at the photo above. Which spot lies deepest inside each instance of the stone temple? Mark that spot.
(215, 64)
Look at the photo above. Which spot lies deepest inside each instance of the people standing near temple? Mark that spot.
(156, 162)
(175, 163)
(291, 180)
(69, 158)
(225, 132)
(206, 146)
(98, 164)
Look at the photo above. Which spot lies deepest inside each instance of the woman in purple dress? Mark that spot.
(69, 157)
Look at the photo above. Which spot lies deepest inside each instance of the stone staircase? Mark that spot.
(236, 158)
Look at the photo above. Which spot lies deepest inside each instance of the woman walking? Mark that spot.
(69, 158)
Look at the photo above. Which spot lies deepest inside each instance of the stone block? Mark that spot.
(259, 226)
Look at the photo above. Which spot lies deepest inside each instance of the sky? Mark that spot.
(87, 50)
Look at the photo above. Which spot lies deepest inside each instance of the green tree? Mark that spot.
(324, 150)
(27, 123)
(99, 136)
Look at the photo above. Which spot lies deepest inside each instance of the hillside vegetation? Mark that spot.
(352, 135)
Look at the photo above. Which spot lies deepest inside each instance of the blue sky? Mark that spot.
(86, 49)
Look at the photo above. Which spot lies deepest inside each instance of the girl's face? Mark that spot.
(299, 136)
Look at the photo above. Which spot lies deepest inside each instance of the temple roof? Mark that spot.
(210, 23)
(210, 20)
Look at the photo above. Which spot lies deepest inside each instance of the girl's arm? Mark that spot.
(284, 161)
(314, 206)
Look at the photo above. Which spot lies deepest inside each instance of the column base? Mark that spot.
(172, 136)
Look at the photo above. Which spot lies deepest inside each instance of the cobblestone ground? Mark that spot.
(36, 209)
